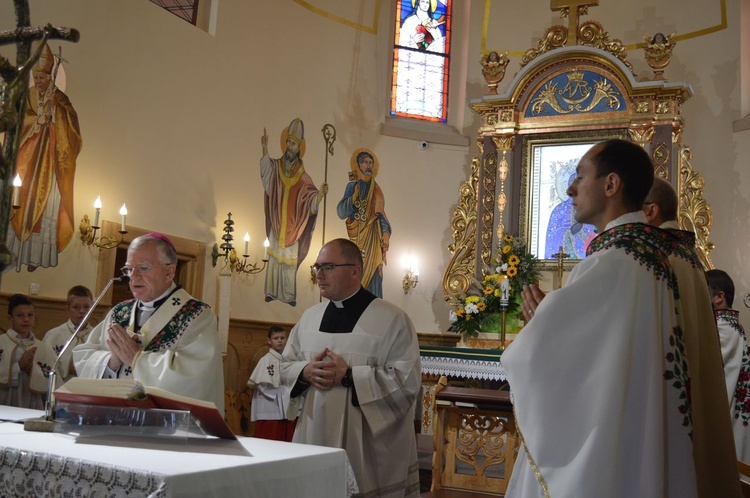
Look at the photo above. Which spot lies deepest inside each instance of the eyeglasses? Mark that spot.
(142, 269)
(327, 267)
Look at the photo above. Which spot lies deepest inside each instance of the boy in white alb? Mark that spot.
(270, 396)
(79, 302)
(25, 361)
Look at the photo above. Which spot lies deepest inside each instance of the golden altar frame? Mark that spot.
(566, 95)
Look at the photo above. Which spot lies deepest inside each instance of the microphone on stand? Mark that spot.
(47, 422)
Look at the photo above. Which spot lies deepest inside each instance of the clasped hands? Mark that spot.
(27, 360)
(325, 370)
(122, 347)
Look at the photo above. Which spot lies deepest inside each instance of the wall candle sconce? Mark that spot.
(411, 278)
(88, 231)
(231, 260)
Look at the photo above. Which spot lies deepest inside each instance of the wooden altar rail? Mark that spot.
(475, 442)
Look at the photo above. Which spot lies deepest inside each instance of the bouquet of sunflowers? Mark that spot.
(481, 309)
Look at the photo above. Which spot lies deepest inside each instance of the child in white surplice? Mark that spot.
(270, 396)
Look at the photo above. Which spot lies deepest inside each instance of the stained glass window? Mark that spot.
(421, 59)
(184, 9)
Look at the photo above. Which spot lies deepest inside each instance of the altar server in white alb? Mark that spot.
(78, 303)
(713, 441)
(25, 361)
(164, 337)
(736, 359)
(354, 363)
(599, 376)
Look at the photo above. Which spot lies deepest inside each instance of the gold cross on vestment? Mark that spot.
(572, 8)
(560, 256)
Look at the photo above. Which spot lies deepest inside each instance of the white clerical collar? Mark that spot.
(670, 225)
(634, 217)
(151, 304)
(340, 304)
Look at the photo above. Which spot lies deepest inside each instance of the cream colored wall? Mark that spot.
(172, 117)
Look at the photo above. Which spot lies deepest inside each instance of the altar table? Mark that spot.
(51, 465)
(483, 364)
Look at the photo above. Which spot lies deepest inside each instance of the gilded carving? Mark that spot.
(506, 116)
(554, 37)
(490, 118)
(493, 69)
(662, 107)
(592, 33)
(658, 52)
(641, 134)
(695, 213)
(488, 206)
(462, 265)
(642, 106)
(661, 157)
(677, 134)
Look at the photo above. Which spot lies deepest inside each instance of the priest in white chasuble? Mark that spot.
(599, 376)
(713, 440)
(163, 338)
(736, 356)
(354, 364)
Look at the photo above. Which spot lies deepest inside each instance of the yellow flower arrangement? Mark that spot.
(481, 308)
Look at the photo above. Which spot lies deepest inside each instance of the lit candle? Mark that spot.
(415, 272)
(247, 244)
(265, 248)
(98, 207)
(123, 213)
(17, 191)
(504, 290)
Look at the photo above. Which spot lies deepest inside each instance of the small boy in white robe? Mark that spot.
(78, 304)
(270, 396)
(25, 362)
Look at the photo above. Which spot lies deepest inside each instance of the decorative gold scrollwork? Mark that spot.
(660, 157)
(695, 213)
(592, 33)
(460, 271)
(554, 37)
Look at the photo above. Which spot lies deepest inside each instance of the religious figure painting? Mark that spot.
(290, 203)
(49, 144)
(551, 214)
(363, 210)
(423, 25)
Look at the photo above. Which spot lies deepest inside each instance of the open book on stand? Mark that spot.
(129, 393)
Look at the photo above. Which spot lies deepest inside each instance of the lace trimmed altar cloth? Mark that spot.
(51, 465)
(468, 363)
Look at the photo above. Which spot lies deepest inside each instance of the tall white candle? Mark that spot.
(265, 248)
(504, 290)
(17, 191)
(98, 207)
(123, 213)
(247, 244)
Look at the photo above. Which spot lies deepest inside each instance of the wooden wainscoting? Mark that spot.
(49, 313)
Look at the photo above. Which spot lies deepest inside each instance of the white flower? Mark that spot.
(502, 269)
(471, 309)
(452, 316)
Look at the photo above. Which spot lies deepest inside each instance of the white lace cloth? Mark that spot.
(462, 367)
(37, 464)
(24, 473)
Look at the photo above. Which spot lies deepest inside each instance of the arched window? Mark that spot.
(421, 59)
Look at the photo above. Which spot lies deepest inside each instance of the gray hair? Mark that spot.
(167, 253)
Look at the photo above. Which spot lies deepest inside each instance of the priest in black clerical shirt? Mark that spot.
(354, 365)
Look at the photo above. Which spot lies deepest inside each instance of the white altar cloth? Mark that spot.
(41, 464)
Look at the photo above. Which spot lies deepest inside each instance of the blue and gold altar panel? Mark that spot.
(576, 92)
